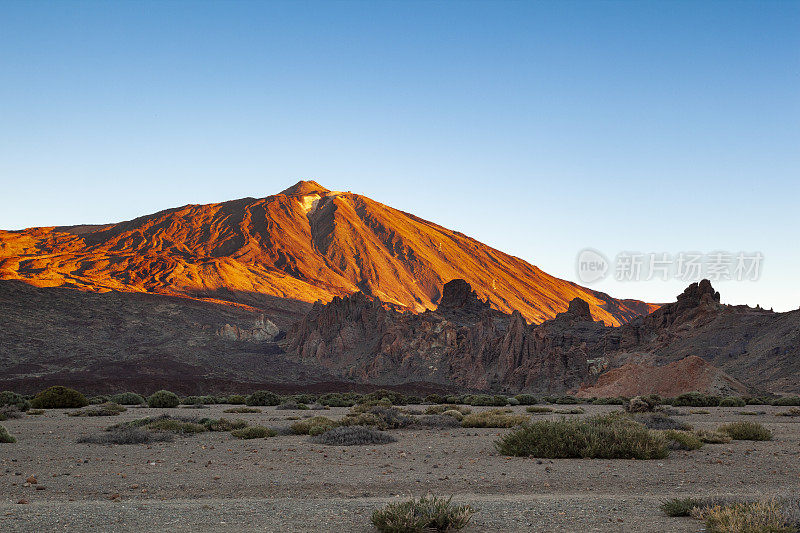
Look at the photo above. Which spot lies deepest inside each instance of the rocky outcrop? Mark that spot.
(263, 330)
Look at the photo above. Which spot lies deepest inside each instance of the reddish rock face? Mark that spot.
(304, 244)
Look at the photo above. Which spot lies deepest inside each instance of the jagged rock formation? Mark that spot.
(304, 244)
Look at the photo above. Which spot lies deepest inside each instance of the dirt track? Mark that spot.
(212, 481)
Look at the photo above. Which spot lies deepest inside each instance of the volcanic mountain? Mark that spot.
(285, 251)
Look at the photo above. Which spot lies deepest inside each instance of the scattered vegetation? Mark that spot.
(791, 412)
(14, 399)
(746, 430)
(291, 405)
(6, 437)
(127, 435)
(712, 437)
(494, 418)
(732, 401)
(680, 506)
(163, 398)
(440, 409)
(59, 398)
(700, 412)
(128, 398)
(682, 440)
(753, 517)
(352, 436)
(223, 424)
(242, 410)
(602, 437)
(619, 400)
(660, 421)
(539, 410)
(526, 399)
(573, 411)
(312, 426)
(377, 415)
(198, 400)
(338, 400)
(263, 398)
(787, 401)
(425, 514)
(106, 409)
(695, 399)
(36, 411)
(254, 432)
(8, 412)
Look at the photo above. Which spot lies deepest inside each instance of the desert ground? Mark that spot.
(212, 481)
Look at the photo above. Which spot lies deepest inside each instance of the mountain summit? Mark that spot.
(304, 244)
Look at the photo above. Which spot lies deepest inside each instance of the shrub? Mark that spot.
(163, 398)
(682, 440)
(453, 413)
(486, 400)
(337, 400)
(566, 400)
(7, 412)
(128, 435)
(439, 409)
(176, 426)
(526, 399)
(696, 399)
(619, 400)
(59, 398)
(680, 506)
(755, 517)
(379, 416)
(439, 421)
(291, 405)
(304, 398)
(352, 436)
(36, 411)
(305, 427)
(660, 421)
(494, 418)
(236, 399)
(732, 401)
(712, 437)
(436, 398)
(573, 411)
(128, 398)
(12, 398)
(537, 410)
(395, 398)
(6, 437)
(791, 412)
(198, 400)
(254, 432)
(787, 401)
(242, 410)
(746, 431)
(263, 398)
(642, 404)
(700, 412)
(223, 424)
(106, 409)
(602, 437)
(427, 513)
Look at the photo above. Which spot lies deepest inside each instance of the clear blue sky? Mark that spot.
(540, 128)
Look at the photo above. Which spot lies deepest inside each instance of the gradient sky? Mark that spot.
(540, 128)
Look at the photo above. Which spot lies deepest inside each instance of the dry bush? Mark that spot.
(746, 431)
(128, 435)
(494, 418)
(305, 427)
(6, 437)
(106, 409)
(661, 421)
(756, 517)
(425, 514)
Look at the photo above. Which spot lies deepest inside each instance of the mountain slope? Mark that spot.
(304, 244)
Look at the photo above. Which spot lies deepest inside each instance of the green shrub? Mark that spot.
(539, 410)
(97, 400)
(712, 437)
(696, 399)
(59, 398)
(242, 410)
(572, 411)
(106, 409)
(254, 432)
(36, 411)
(394, 397)
(305, 427)
(436, 398)
(746, 431)
(6, 437)
(263, 398)
(526, 399)
(601, 437)
(198, 400)
(176, 426)
(732, 401)
(12, 398)
(680, 506)
(619, 400)
(566, 400)
(236, 399)
(427, 513)
(163, 398)
(291, 405)
(380, 416)
(439, 409)
(682, 440)
(128, 398)
(304, 398)
(352, 436)
(494, 418)
(787, 401)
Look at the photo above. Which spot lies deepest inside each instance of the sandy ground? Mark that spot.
(214, 482)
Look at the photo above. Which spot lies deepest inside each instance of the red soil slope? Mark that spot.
(304, 244)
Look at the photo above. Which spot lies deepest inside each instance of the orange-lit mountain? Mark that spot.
(304, 244)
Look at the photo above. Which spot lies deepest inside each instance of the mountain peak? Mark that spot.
(305, 188)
